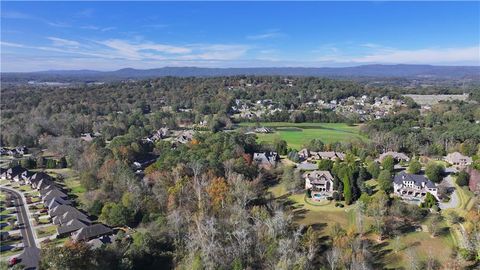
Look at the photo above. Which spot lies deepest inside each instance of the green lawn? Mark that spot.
(47, 231)
(298, 134)
(73, 183)
(323, 214)
(25, 188)
(4, 255)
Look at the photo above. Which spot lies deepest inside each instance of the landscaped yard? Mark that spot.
(46, 231)
(323, 215)
(320, 214)
(298, 134)
(4, 255)
(25, 188)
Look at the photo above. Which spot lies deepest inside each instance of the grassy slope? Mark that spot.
(297, 134)
(323, 217)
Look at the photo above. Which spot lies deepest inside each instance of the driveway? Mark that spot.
(31, 254)
(454, 200)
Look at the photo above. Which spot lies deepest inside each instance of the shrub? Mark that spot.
(414, 166)
(462, 178)
(435, 172)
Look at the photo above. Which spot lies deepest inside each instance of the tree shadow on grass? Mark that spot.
(444, 231)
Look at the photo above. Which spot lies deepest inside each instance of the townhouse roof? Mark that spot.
(91, 231)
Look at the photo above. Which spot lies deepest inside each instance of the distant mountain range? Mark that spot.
(374, 71)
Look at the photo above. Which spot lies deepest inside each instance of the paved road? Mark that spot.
(31, 254)
(454, 200)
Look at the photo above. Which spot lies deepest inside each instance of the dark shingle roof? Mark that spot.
(13, 171)
(91, 231)
(55, 192)
(39, 176)
(60, 210)
(416, 178)
(54, 201)
(66, 217)
(71, 226)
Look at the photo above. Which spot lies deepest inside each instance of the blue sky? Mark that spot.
(114, 35)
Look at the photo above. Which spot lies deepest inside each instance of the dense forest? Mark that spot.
(31, 112)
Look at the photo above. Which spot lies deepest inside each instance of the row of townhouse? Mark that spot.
(69, 220)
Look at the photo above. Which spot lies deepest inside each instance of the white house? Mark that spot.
(413, 186)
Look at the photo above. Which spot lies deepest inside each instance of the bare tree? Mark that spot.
(434, 225)
(396, 244)
(431, 263)
(333, 256)
(412, 259)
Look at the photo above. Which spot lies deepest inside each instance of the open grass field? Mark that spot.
(298, 134)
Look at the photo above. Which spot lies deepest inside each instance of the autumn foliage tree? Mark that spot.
(218, 192)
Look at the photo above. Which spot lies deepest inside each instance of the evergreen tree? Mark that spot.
(388, 163)
(347, 189)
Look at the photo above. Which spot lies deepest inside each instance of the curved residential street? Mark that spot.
(31, 254)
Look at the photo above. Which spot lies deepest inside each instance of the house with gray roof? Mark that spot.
(60, 210)
(185, 136)
(458, 159)
(307, 166)
(52, 193)
(320, 184)
(36, 177)
(304, 154)
(3, 173)
(90, 232)
(46, 189)
(397, 156)
(16, 173)
(413, 186)
(56, 201)
(42, 184)
(266, 159)
(70, 227)
(69, 215)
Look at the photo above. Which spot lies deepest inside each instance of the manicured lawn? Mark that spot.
(298, 134)
(6, 228)
(73, 183)
(322, 214)
(4, 181)
(25, 188)
(6, 254)
(5, 212)
(47, 231)
(55, 242)
(43, 221)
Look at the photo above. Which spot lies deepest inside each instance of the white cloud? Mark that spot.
(384, 55)
(424, 56)
(156, 25)
(266, 35)
(141, 50)
(58, 24)
(60, 42)
(97, 28)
